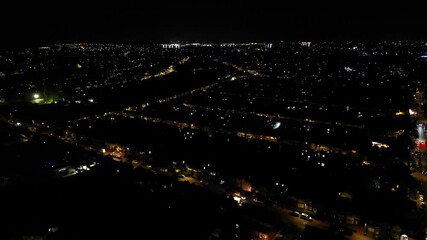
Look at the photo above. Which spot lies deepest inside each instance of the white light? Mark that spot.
(276, 125)
(404, 237)
(36, 95)
(380, 145)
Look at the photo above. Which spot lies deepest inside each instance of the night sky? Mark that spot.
(216, 21)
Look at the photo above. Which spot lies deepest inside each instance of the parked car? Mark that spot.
(294, 213)
(305, 216)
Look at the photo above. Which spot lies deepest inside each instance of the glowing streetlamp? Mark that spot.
(36, 95)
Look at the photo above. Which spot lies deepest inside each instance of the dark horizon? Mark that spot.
(38, 24)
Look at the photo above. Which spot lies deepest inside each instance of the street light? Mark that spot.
(36, 95)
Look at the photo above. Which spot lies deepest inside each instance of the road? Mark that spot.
(191, 180)
(421, 148)
(423, 179)
(299, 225)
